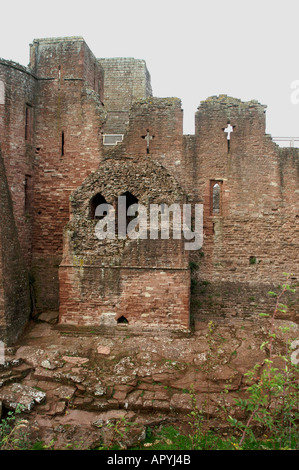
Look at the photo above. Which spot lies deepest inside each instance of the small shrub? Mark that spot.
(13, 431)
(273, 395)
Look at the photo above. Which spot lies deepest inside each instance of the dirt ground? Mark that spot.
(79, 387)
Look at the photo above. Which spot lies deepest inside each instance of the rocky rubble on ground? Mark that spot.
(85, 389)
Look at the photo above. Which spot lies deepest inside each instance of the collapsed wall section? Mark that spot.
(146, 281)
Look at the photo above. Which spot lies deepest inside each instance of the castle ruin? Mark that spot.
(76, 131)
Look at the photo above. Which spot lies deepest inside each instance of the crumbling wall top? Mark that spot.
(152, 101)
(229, 101)
(59, 39)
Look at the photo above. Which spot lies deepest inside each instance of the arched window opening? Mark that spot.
(123, 206)
(94, 209)
(130, 200)
(216, 200)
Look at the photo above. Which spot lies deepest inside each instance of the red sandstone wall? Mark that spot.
(19, 91)
(68, 104)
(151, 297)
(259, 216)
(14, 284)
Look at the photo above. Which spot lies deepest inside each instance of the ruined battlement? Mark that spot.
(16, 66)
(247, 118)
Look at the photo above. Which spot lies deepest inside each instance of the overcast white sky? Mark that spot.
(193, 49)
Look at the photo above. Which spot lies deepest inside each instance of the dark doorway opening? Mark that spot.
(122, 319)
